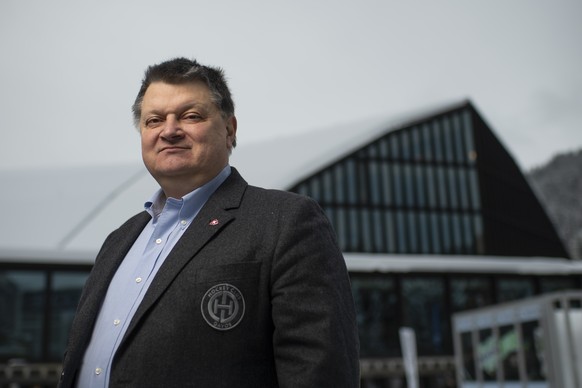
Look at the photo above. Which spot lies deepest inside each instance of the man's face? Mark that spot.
(184, 138)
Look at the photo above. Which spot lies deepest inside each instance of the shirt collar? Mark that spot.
(192, 202)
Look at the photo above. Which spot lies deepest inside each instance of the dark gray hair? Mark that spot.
(179, 71)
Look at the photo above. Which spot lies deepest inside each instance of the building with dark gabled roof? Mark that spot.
(430, 209)
(439, 184)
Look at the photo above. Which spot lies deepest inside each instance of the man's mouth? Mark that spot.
(173, 149)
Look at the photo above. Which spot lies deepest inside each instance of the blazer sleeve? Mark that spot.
(315, 339)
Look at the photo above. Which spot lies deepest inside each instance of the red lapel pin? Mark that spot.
(214, 222)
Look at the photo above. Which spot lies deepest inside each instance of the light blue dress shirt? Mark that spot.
(170, 218)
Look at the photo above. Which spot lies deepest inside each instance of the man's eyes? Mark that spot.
(186, 117)
(192, 117)
(153, 121)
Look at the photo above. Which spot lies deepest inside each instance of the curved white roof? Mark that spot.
(50, 212)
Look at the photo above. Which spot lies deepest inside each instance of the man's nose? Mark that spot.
(172, 128)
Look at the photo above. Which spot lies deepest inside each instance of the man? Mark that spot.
(217, 283)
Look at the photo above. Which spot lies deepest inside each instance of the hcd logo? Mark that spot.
(223, 306)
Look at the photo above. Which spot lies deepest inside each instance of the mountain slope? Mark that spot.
(558, 185)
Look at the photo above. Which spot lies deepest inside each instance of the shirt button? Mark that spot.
(183, 222)
(98, 371)
(138, 280)
(116, 322)
(159, 241)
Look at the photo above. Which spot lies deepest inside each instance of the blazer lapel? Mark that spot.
(213, 217)
(106, 263)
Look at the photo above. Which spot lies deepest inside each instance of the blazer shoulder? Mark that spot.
(281, 202)
(275, 195)
(131, 227)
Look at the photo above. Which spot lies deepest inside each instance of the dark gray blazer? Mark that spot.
(255, 294)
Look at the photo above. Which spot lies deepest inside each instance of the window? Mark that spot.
(36, 312)
(448, 140)
(435, 233)
(423, 226)
(384, 148)
(373, 150)
(354, 230)
(412, 230)
(22, 308)
(65, 292)
(445, 228)
(401, 232)
(394, 148)
(352, 182)
(328, 189)
(423, 308)
(470, 292)
(377, 315)
(430, 187)
(315, 189)
(452, 186)
(386, 186)
(416, 144)
(340, 183)
(514, 288)
(420, 189)
(397, 184)
(366, 234)
(378, 227)
(438, 141)
(460, 155)
(405, 145)
(341, 228)
(442, 187)
(409, 186)
(390, 232)
(426, 140)
(551, 284)
(374, 179)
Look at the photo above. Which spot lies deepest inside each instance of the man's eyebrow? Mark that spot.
(181, 108)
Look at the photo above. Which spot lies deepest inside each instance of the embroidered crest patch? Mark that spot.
(223, 306)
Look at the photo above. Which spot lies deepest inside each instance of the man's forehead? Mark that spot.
(192, 93)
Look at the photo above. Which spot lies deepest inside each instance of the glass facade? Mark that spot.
(425, 302)
(414, 190)
(36, 312)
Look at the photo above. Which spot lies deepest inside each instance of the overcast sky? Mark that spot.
(71, 69)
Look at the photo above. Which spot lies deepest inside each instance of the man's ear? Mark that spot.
(231, 132)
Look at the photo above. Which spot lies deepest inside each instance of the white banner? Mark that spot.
(408, 346)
